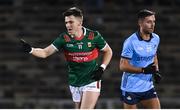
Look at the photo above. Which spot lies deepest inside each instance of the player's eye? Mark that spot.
(70, 22)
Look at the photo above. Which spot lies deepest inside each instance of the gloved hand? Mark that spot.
(97, 74)
(150, 69)
(25, 46)
(157, 77)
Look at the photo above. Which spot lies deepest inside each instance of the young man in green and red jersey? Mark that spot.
(81, 47)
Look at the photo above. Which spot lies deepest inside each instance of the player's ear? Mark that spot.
(139, 22)
(80, 21)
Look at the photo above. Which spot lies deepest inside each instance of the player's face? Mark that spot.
(147, 24)
(73, 24)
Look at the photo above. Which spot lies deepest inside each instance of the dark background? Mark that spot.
(30, 82)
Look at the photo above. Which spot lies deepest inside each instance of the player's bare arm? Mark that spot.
(43, 53)
(38, 52)
(156, 62)
(124, 65)
(107, 55)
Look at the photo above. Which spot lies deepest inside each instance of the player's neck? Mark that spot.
(145, 36)
(79, 33)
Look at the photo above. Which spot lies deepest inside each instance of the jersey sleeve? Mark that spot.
(58, 43)
(157, 40)
(127, 51)
(99, 41)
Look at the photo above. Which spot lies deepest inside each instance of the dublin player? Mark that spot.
(140, 64)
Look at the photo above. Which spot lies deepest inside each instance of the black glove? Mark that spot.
(150, 69)
(97, 74)
(25, 46)
(157, 77)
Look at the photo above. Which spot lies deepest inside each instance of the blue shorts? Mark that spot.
(132, 98)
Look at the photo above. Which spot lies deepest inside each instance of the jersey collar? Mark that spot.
(140, 38)
(84, 33)
(82, 36)
(84, 30)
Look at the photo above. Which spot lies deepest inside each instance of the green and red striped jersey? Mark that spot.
(81, 55)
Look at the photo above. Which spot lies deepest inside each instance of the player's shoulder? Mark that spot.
(155, 35)
(63, 34)
(95, 32)
(131, 38)
(63, 37)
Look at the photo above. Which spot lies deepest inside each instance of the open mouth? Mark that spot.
(70, 30)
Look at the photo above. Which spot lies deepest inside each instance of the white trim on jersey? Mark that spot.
(104, 47)
(55, 47)
(84, 31)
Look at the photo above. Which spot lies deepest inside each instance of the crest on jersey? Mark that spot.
(149, 48)
(89, 44)
(91, 36)
(66, 38)
(129, 98)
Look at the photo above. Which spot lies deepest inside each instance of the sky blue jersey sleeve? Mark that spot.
(127, 51)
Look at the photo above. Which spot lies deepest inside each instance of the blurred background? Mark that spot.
(30, 82)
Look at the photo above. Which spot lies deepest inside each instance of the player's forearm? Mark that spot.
(107, 56)
(126, 67)
(130, 69)
(38, 52)
(156, 62)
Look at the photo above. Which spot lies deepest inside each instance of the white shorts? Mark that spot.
(77, 92)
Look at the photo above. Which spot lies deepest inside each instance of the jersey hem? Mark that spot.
(126, 57)
(137, 91)
(80, 85)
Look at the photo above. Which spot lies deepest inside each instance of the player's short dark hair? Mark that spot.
(144, 13)
(73, 11)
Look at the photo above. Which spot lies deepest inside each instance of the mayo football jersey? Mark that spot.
(81, 54)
